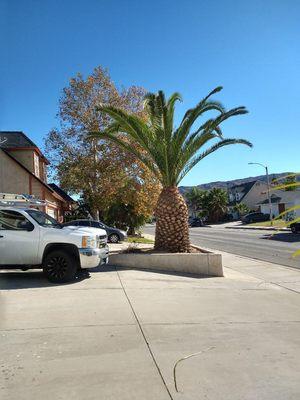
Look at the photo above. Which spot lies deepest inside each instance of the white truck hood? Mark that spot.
(69, 234)
(84, 230)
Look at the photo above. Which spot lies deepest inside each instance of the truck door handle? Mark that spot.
(1, 236)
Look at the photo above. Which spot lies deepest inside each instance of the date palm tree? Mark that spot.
(215, 202)
(194, 199)
(170, 152)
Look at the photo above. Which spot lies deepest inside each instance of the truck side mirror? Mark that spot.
(26, 226)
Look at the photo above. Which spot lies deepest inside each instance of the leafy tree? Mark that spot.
(215, 204)
(241, 209)
(82, 211)
(169, 152)
(99, 170)
(123, 216)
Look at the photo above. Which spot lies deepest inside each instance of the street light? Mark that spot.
(268, 183)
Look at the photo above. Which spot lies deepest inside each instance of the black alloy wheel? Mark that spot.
(60, 267)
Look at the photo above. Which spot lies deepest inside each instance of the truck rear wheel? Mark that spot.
(60, 266)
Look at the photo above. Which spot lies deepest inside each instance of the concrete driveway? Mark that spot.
(116, 334)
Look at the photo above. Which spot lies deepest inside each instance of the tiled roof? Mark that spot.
(61, 192)
(245, 186)
(15, 139)
(282, 196)
(245, 189)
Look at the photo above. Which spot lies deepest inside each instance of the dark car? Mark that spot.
(114, 235)
(255, 217)
(194, 222)
(295, 227)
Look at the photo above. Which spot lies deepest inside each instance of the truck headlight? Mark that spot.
(89, 242)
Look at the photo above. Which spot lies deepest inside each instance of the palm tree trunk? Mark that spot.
(172, 230)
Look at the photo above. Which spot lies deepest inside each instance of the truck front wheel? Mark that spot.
(59, 266)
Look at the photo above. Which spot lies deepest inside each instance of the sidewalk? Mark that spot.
(259, 228)
(118, 335)
(240, 225)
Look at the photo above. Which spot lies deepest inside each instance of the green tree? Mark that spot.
(170, 153)
(215, 203)
(241, 209)
(290, 183)
(195, 199)
(123, 216)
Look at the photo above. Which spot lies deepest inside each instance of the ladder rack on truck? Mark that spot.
(19, 200)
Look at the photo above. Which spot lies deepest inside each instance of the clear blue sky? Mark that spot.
(252, 48)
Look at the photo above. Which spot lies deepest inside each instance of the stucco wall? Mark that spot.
(25, 157)
(13, 178)
(257, 194)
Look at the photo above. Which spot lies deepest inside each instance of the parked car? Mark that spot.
(30, 238)
(255, 217)
(295, 227)
(194, 222)
(114, 235)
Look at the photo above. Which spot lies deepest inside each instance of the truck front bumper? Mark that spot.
(91, 258)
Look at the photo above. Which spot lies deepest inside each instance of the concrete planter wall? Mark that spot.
(208, 264)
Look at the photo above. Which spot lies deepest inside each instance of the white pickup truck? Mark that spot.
(30, 238)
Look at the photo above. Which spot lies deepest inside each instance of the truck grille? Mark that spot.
(101, 241)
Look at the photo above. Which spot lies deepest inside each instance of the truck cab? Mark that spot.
(30, 238)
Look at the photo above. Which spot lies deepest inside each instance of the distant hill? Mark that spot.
(228, 184)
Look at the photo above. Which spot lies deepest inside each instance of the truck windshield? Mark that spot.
(43, 219)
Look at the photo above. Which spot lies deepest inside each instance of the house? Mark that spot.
(249, 193)
(281, 201)
(23, 170)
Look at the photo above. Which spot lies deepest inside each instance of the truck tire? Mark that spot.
(60, 267)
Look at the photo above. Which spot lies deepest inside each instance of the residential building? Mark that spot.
(249, 193)
(23, 170)
(281, 201)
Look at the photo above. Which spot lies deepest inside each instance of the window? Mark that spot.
(36, 163)
(71, 223)
(237, 196)
(84, 223)
(13, 221)
(43, 219)
(95, 224)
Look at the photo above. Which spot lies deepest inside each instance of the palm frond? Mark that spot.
(171, 152)
(215, 147)
(109, 135)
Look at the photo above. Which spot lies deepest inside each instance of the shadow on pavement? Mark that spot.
(103, 268)
(161, 272)
(283, 237)
(15, 279)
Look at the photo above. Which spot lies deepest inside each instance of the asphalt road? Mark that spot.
(262, 245)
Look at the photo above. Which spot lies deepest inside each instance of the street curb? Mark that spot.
(252, 228)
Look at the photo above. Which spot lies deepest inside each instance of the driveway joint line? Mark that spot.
(145, 338)
(263, 280)
(220, 323)
(65, 326)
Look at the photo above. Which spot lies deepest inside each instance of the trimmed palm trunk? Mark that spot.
(172, 230)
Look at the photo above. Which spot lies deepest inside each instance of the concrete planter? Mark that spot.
(205, 264)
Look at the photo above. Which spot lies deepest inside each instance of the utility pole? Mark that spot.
(268, 184)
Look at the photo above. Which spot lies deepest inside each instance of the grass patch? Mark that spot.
(277, 223)
(136, 239)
